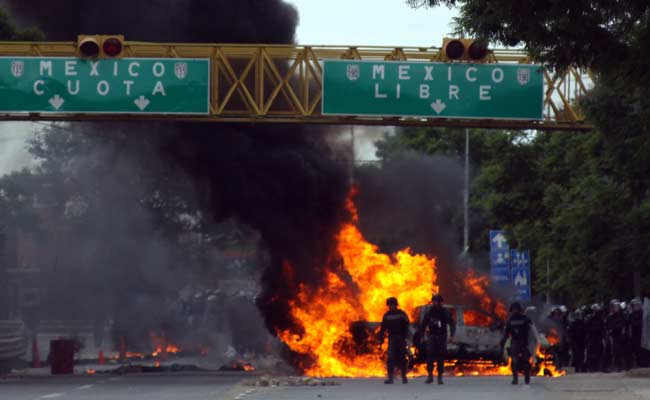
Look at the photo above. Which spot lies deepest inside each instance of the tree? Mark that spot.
(610, 189)
(9, 32)
(598, 35)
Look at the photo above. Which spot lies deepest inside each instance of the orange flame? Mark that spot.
(162, 346)
(553, 337)
(546, 366)
(357, 291)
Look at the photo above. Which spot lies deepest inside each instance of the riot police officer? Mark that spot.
(518, 327)
(396, 323)
(641, 356)
(576, 333)
(595, 335)
(616, 329)
(433, 329)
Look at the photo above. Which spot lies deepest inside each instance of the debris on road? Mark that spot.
(290, 381)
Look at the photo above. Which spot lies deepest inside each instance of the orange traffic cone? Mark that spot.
(101, 358)
(36, 357)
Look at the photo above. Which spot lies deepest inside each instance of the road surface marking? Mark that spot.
(84, 387)
(51, 396)
(244, 394)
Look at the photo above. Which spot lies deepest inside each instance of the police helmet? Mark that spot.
(563, 309)
(595, 307)
(391, 301)
(623, 305)
(515, 307)
(635, 301)
(437, 298)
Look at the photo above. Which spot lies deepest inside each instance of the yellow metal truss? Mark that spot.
(283, 83)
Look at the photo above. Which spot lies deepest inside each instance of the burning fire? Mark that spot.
(162, 346)
(357, 291)
(553, 337)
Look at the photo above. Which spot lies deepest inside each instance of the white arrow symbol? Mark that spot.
(56, 101)
(438, 106)
(142, 102)
(499, 239)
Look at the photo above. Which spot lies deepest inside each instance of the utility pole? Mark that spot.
(353, 152)
(466, 196)
(548, 281)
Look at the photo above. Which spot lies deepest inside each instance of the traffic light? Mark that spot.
(100, 46)
(471, 50)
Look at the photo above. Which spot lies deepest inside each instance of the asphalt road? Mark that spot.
(229, 387)
(170, 386)
(576, 387)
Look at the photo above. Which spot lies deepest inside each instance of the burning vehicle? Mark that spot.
(333, 329)
(475, 349)
(477, 335)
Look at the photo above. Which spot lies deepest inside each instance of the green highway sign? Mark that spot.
(424, 89)
(114, 86)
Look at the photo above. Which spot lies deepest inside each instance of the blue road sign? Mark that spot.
(498, 241)
(500, 276)
(500, 259)
(500, 267)
(520, 273)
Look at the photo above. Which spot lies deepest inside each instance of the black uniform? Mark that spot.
(396, 323)
(518, 328)
(577, 336)
(434, 330)
(595, 329)
(616, 327)
(641, 356)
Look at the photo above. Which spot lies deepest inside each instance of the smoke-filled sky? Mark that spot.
(286, 182)
(421, 27)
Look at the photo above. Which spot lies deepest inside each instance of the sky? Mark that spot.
(371, 22)
(329, 22)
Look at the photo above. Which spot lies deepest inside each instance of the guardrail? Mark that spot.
(12, 339)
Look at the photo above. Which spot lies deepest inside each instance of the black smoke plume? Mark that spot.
(280, 180)
(415, 200)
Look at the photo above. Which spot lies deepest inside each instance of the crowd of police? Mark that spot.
(599, 337)
(591, 339)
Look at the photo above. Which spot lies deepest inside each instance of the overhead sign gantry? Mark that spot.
(103, 77)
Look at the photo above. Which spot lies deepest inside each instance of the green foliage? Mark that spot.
(556, 194)
(9, 32)
(16, 209)
(587, 211)
(596, 34)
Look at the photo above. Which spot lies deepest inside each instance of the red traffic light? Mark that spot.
(112, 47)
(89, 48)
(454, 49)
(477, 51)
(100, 46)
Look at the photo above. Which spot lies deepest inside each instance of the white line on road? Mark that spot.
(244, 394)
(51, 396)
(84, 387)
